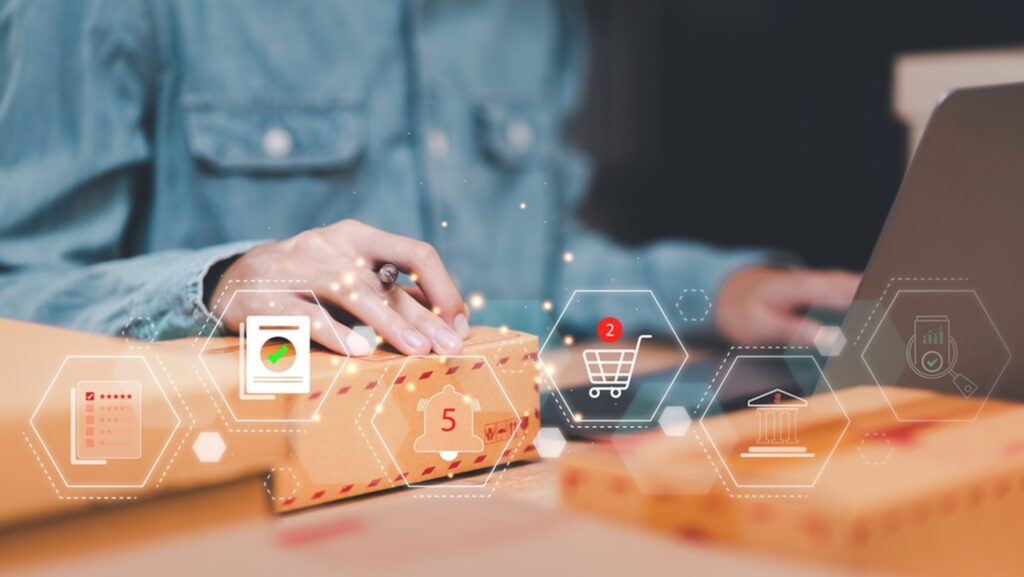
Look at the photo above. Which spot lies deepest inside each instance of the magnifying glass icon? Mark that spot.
(936, 362)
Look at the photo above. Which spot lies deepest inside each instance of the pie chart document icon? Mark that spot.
(276, 353)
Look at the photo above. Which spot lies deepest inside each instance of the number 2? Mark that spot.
(446, 417)
(611, 330)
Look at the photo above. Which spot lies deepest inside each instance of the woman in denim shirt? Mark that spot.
(153, 153)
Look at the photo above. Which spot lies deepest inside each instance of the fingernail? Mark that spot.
(447, 341)
(461, 325)
(357, 345)
(414, 339)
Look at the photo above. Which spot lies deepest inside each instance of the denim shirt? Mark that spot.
(141, 142)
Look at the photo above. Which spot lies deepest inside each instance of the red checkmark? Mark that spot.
(90, 396)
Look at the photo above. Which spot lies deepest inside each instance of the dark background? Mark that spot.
(762, 122)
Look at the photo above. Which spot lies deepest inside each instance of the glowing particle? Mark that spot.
(348, 279)
(353, 296)
(436, 310)
(547, 306)
(444, 224)
(335, 287)
(522, 206)
(476, 301)
(568, 256)
(568, 340)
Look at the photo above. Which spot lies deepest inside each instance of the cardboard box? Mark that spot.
(923, 498)
(365, 438)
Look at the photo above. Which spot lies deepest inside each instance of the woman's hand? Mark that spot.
(340, 262)
(762, 305)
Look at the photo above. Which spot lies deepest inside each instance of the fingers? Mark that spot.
(831, 290)
(420, 259)
(791, 329)
(372, 305)
(332, 334)
(443, 339)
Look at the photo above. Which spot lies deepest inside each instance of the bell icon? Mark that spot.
(448, 425)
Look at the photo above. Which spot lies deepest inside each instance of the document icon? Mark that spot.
(106, 421)
(275, 350)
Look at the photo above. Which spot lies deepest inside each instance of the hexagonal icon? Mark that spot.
(875, 448)
(209, 447)
(448, 413)
(830, 341)
(774, 421)
(105, 421)
(597, 379)
(674, 421)
(550, 442)
(259, 375)
(941, 340)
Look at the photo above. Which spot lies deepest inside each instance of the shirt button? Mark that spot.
(277, 143)
(519, 135)
(437, 143)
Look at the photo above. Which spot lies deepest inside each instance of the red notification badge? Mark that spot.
(609, 329)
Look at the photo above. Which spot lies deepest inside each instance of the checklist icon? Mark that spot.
(106, 421)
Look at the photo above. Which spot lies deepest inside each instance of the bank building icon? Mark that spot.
(777, 438)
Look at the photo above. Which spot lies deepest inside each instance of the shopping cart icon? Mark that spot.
(611, 369)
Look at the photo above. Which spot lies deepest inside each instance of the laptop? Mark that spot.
(947, 270)
(947, 273)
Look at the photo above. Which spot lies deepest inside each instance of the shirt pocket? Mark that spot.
(287, 164)
(514, 134)
(275, 136)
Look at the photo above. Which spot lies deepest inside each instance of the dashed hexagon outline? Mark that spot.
(323, 397)
(553, 385)
(831, 452)
(160, 455)
(995, 329)
(494, 467)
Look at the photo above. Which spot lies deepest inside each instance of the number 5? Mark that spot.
(446, 417)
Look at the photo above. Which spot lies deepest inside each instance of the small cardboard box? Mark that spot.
(366, 437)
(913, 497)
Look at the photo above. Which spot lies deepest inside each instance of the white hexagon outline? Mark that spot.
(494, 467)
(831, 452)
(992, 323)
(558, 391)
(216, 385)
(56, 465)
